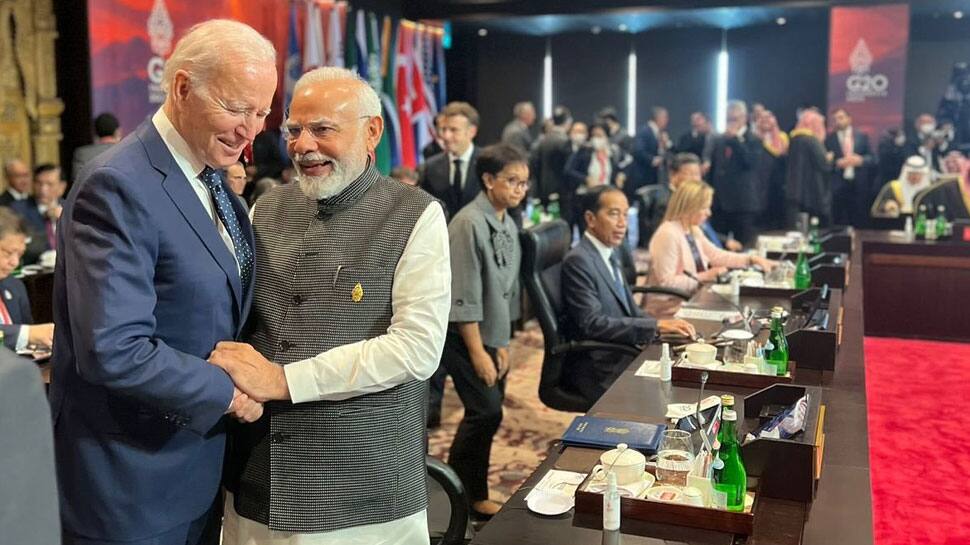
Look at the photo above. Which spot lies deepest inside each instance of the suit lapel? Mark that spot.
(472, 187)
(605, 273)
(187, 201)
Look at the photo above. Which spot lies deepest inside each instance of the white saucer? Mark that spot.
(549, 502)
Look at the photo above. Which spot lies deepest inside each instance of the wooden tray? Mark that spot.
(727, 378)
(669, 513)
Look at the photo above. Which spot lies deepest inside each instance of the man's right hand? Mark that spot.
(676, 327)
(243, 408)
(40, 335)
(484, 367)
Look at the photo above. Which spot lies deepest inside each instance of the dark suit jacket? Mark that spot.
(547, 164)
(594, 310)
(84, 154)
(28, 495)
(860, 144)
(577, 169)
(689, 143)
(15, 298)
(734, 174)
(142, 294)
(6, 199)
(435, 180)
(646, 148)
(36, 225)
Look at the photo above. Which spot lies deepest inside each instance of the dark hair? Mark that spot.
(463, 109)
(493, 159)
(609, 114)
(681, 159)
(592, 200)
(561, 115)
(105, 124)
(843, 110)
(11, 223)
(601, 126)
(45, 167)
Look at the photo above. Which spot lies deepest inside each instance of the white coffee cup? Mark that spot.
(628, 465)
(701, 353)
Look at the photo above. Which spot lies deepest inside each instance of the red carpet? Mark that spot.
(919, 445)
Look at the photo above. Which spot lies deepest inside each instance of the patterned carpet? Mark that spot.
(528, 426)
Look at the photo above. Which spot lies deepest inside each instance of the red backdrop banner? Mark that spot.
(867, 65)
(130, 40)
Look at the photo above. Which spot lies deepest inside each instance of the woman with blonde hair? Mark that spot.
(681, 256)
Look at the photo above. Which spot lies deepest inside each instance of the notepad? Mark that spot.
(687, 313)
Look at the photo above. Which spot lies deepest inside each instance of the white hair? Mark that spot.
(208, 45)
(367, 99)
(737, 107)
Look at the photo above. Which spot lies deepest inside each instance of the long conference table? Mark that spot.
(841, 512)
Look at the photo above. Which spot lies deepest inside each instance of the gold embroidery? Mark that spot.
(358, 293)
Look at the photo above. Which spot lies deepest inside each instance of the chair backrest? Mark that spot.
(543, 249)
(457, 500)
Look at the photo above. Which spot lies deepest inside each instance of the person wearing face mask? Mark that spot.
(681, 256)
(897, 196)
(593, 164)
(925, 140)
(578, 135)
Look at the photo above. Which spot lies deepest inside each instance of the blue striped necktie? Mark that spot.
(244, 253)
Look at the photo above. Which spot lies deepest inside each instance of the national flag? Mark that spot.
(392, 123)
(335, 37)
(351, 53)
(292, 68)
(313, 55)
(407, 93)
(421, 116)
(360, 44)
(441, 90)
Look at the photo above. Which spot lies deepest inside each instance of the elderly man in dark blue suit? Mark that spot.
(158, 268)
(599, 305)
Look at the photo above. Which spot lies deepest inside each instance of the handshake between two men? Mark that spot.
(256, 379)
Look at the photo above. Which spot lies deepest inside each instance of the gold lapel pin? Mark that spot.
(358, 293)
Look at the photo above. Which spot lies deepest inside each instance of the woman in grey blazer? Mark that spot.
(485, 258)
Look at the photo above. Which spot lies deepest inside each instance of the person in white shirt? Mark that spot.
(351, 306)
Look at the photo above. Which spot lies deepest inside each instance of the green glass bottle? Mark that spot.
(779, 344)
(941, 222)
(814, 240)
(919, 229)
(553, 208)
(536, 214)
(732, 479)
(803, 273)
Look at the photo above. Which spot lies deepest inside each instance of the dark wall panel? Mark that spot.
(676, 69)
(933, 48)
(782, 67)
(590, 73)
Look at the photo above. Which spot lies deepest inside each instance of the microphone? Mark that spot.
(716, 463)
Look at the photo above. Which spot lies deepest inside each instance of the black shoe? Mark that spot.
(478, 517)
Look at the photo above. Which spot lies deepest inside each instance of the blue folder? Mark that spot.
(590, 431)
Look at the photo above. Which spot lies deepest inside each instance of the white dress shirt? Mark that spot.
(191, 167)
(465, 158)
(410, 350)
(846, 135)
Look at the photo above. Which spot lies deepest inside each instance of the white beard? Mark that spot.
(324, 187)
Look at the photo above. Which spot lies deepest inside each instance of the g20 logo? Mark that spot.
(867, 84)
(156, 66)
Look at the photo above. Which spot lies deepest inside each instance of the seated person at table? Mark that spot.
(684, 167)
(953, 193)
(41, 211)
(597, 301)
(681, 256)
(897, 196)
(15, 315)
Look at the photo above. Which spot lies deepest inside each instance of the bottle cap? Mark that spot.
(814, 220)
(729, 415)
(727, 400)
(776, 312)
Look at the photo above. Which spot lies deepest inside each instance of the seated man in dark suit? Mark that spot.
(17, 175)
(598, 303)
(42, 210)
(16, 318)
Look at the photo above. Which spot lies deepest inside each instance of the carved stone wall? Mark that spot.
(30, 111)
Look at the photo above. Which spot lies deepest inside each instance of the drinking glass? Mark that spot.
(675, 458)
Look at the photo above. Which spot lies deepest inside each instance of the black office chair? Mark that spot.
(543, 249)
(457, 500)
(630, 273)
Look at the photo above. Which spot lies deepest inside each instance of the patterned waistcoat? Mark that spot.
(325, 278)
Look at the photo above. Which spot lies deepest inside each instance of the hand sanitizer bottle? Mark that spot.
(666, 364)
(611, 511)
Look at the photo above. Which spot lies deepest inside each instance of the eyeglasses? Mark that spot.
(515, 183)
(319, 131)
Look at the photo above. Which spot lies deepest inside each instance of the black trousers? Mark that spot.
(741, 224)
(472, 446)
(850, 202)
